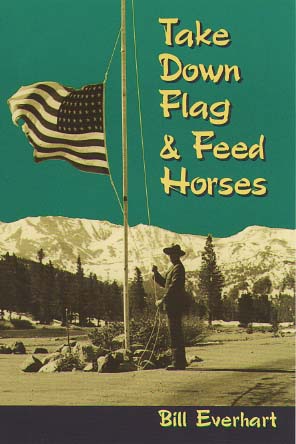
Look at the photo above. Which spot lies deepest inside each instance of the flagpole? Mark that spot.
(125, 179)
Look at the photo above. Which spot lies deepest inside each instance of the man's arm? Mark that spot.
(160, 280)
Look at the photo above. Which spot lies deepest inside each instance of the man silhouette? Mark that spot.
(174, 284)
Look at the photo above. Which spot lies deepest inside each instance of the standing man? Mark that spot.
(174, 284)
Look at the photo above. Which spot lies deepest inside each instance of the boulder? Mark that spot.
(5, 350)
(40, 350)
(60, 348)
(31, 365)
(51, 357)
(107, 364)
(88, 352)
(90, 367)
(51, 367)
(18, 348)
(65, 349)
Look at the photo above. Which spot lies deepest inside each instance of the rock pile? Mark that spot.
(90, 358)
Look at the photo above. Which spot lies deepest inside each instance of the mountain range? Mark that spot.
(246, 256)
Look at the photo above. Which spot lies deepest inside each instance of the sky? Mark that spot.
(71, 43)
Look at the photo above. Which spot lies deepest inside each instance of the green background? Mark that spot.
(71, 42)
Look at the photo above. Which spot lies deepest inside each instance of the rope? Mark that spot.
(140, 112)
(105, 81)
(115, 191)
(112, 56)
(156, 318)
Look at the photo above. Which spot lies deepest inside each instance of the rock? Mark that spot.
(147, 365)
(5, 350)
(145, 354)
(51, 357)
(89, 367)
(65, 350)
(88, 352)
(119, 340)
(127, 367)
(51, 367)
(40, 350)
(107, 364)
(18, 348)
(31, 364)
(194, 358)
(60, 348)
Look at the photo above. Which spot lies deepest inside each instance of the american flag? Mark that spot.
(64, 123)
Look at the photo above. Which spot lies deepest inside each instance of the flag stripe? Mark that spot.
(84, 155)
(71, 157)
(88, 169)
(57, 140)
(55, 104)
(88, 149)
(16, 103)
(52, 92)
(37, 116)
(63, 90)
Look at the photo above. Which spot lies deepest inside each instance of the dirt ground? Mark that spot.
(246, 370)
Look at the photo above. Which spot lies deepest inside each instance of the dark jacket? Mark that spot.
(174, 284)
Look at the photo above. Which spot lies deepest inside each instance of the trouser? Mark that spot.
(177, 340)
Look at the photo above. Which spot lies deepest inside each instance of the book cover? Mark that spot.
(210, 164)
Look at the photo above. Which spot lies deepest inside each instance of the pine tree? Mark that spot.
(262, 286)
(211, 281)
(40, 255)
(246, 309)
(80, 293)
(137, 294)
(8, 287)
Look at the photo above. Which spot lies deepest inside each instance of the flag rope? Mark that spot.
(112, 56)
(140, 113)
(115, 190)
(105, 82)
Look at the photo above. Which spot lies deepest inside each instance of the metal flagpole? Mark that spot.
(125, 180)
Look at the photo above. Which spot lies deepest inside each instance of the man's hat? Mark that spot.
(174, 249)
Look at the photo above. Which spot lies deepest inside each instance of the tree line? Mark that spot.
(47, 293)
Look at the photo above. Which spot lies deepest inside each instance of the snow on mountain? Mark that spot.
(248, 255)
